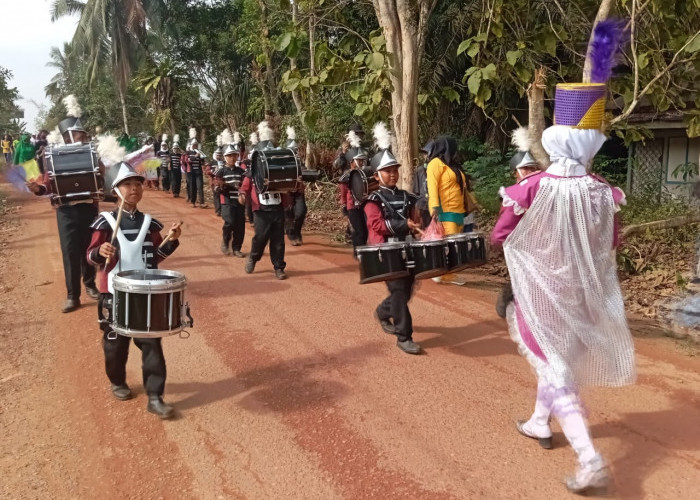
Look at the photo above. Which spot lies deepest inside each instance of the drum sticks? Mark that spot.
(170, 234)
(116, 228)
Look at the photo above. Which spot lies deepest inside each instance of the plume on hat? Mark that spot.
(55, 137)
(521, 139)
(218, 140)
(353, 139)
(382, 136)
(176, 139)
(291, 134)
(254, 138)
(164, 138)
(236, 138)
(264, 131)
(226, 137)
(109, 150)
(72, 106)
(604, 47)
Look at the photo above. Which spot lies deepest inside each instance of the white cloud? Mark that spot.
(27, 36)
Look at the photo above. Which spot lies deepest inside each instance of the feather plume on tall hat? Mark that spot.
(113, 157)
(226, 137)
(193, 137)
(356, 151)
(55, 137)
(522, 158)
(265, 136)
(230, 146)
(254, 139)
(72, 122)
(164, 142)
(582, 105)
(176, 141)
(291, 138)
(353, 139)
(384, 158)
(219, 140)
(236, 137)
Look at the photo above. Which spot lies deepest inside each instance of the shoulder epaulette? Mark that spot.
(100, 223)
(156, 225)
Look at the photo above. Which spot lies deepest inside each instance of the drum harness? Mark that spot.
(410, 264)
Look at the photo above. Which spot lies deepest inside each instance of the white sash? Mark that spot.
(130, 252)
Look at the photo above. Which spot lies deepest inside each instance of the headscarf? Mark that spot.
(24, 151)
(571, 150)
(445, 148)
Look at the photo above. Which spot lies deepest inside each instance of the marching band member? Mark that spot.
(137, 247)
(388, 211)
(355, 158)
(73, 218)
(268, 222)
(296, 214)
(193, 163)
(558, 230)
(232, 210)
(175, 167)
(164, 156)
(212, 168)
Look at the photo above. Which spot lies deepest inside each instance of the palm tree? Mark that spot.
(63, 62)
(110, 32)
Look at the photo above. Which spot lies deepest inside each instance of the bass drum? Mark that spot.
(362, 183)
(74, 173)
(276, 170)
(150, 303)
(382, 262)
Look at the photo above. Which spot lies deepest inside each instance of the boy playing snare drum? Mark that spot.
(137, 246)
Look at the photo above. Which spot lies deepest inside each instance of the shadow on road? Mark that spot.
(468, 340)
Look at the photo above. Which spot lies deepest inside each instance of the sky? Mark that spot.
(26, 36)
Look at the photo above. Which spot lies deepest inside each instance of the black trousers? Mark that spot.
(74, 234)
(234, 225)
(175, 180)
(195, 187)
(269, 227)
(117, 353)
(356, 216)
(217, 202)
(395, 306)
(249, 210)
(166, 178)
(296, 216)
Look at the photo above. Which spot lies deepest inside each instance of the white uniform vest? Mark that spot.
(130, 252)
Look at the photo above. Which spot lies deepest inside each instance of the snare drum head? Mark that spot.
(394, 245)
(149, 280)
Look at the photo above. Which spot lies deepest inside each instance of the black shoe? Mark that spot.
(224, 249)
(296, 243)
(92, 292)
(70, 305)
(280, 274)
(238, 253)
(504, 298)
(121, 392)
(157, 406)
(386, 324)
(408, 346)
(249, 265)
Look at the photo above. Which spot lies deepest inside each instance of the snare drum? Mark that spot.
(276, 170)
(458, 251)
(382, 262)
(428, 258)
(477, 249)
(362, 183)
(74, 173)
(150, 303)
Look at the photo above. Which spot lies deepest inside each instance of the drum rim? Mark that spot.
(460, 236)
(171, 281)
(128, 332)
(433, 243)
(389, 245)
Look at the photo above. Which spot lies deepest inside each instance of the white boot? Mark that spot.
(591, 475)
(537, 427)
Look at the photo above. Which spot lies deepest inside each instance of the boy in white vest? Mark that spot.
(136, 247)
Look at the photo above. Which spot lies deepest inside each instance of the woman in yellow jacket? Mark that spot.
(446, 183)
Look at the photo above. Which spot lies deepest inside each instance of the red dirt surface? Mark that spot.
(290, 390)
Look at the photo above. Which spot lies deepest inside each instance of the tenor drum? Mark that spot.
(459, 254)
(478, 254)
(428, 258)
(382, 262)
(150, 303)
(362, 183)
(74, 173)
(276, 170)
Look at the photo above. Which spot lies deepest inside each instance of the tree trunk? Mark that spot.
(603, 13)
(268, 86)
(404, 25)
(124, 116)
(536, 124)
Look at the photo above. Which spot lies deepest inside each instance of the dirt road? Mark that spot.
(289, 390)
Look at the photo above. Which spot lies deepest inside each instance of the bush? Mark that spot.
(489, 170)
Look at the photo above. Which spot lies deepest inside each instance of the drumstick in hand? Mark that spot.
(116, 228)
(170, 234)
